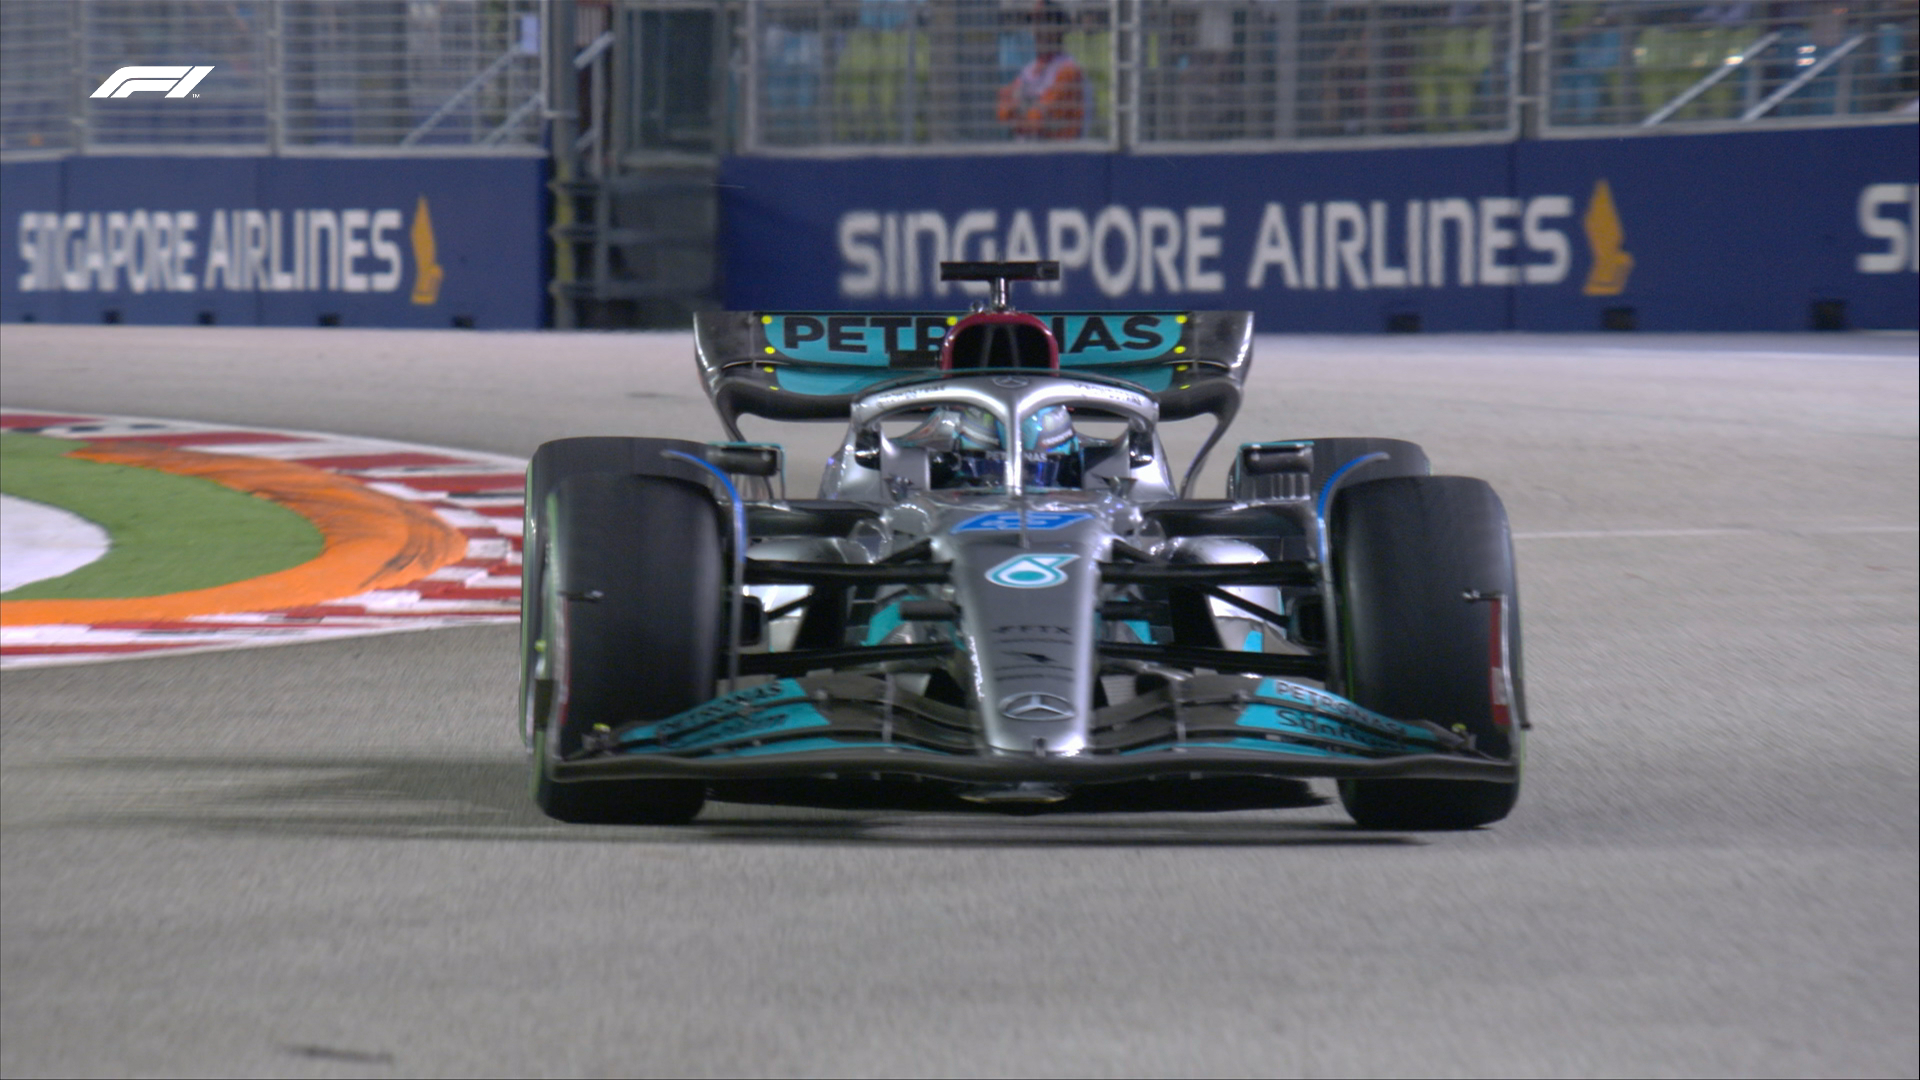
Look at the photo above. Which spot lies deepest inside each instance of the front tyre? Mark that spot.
(1407, 554)
(633, 592)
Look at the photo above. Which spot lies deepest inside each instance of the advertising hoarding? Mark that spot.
(275, 241)
(1744, 231)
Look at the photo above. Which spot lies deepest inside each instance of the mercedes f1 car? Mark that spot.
(1002, 593)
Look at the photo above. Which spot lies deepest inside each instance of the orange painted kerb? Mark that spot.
(373, 541)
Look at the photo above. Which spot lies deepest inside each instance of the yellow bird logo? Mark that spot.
(1611, 262)
(427, 273)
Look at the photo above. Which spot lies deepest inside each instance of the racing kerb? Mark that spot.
(470, 503)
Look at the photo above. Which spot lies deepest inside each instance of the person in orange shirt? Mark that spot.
(1048, 99)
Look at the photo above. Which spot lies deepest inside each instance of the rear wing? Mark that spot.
(811, 365)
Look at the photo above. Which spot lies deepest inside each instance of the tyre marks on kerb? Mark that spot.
(373, 541)
(417, 537)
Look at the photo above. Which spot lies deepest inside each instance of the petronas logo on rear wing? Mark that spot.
(912, 339)
(811, 365)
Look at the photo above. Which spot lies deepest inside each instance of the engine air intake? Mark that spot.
(1000, 340)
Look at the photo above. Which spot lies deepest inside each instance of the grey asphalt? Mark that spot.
(319, 859)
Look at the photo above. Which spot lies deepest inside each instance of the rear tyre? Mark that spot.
(633, 590)
(1406, 551)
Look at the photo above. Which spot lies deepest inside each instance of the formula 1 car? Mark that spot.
(1001, 594)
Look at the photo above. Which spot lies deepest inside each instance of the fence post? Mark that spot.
(1533, 33)
(276, 81)
(1124, 17)
(82, 133)
(750, 86)
(562, 113)
(1286, 57)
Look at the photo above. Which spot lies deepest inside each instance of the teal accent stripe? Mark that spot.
(1309, 725)
(829, 383)
(756, 711)
(1337, 707)
(884, 622)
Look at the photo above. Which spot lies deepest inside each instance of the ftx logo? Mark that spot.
(175, 82)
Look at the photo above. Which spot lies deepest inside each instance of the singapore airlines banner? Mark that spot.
(274, 241)
(1749, 231)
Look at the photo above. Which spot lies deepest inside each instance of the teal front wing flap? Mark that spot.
(756, 712)
(801, 746)
(1323, 730)
(1283, 749)
(1291, 696)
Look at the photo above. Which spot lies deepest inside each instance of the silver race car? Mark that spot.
(1003, 595)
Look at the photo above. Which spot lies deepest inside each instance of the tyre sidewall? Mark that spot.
(632, 599)
(1407, 553)
(637, 563)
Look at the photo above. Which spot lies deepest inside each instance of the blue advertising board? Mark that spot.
(273, 241)
(1747, 231)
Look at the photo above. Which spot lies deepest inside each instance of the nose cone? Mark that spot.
(1028, 615)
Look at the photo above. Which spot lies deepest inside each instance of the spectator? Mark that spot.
(1451, 79)
(1583, 94)
(1048, 99)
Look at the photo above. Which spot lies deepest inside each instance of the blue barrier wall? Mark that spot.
(274, 241)
(1746, 231)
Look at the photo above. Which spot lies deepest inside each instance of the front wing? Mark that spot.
(1214, 725)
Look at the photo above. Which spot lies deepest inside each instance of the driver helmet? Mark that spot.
(974, 435)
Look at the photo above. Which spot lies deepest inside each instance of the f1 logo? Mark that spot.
(175, 81)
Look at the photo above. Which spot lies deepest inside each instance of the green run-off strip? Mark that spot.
(167, 533)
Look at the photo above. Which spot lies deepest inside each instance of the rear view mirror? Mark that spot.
(1268, 459)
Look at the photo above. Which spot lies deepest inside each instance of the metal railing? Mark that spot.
(411, 75)
(901, 74)
(38, 91)
(1696, 66)
(1289, 72)
(706, 77)
(864, 76)
(289, 76)
(909, 73)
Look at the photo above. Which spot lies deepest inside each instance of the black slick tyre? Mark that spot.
(1408, 552)
(633, 586)
(552, 463)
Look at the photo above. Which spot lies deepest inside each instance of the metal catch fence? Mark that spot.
(1284, 72)
(901, 73)
(704, 77)
(827, 76)
(1648, 64)
(287, 76)
(839, 76)
(38, 88)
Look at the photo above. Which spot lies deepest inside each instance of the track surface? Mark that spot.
(319, 860)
